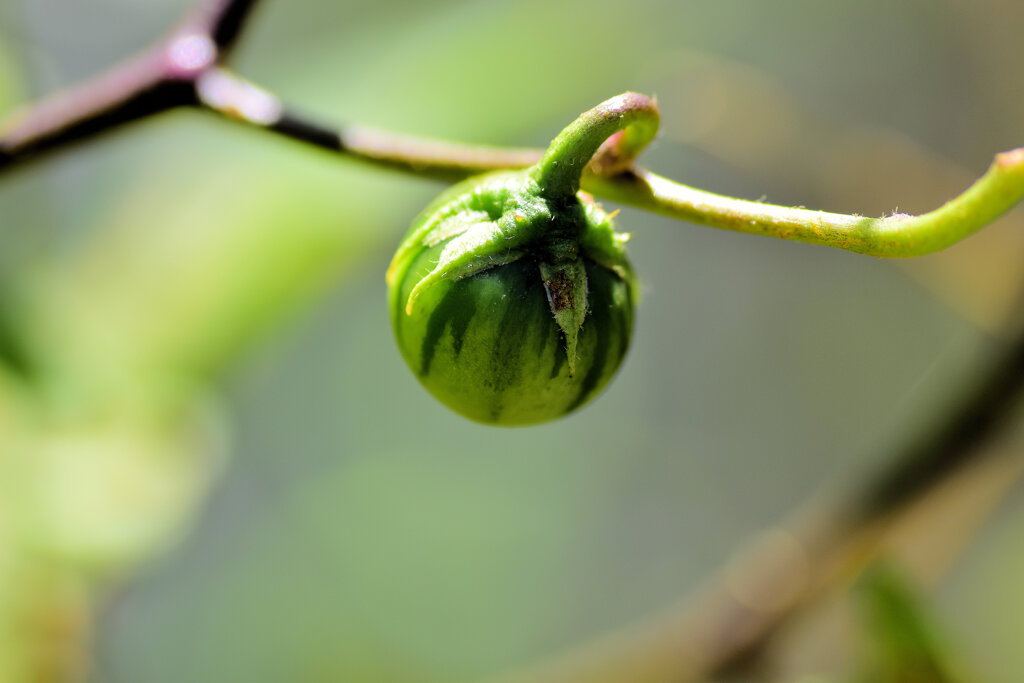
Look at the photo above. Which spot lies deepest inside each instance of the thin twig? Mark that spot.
(157, 79)
(899, 235)
(224, 93)
(185, 71)
(127, 92)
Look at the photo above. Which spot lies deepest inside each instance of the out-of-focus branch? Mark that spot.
(158, 79)
(223, 92)
(129, 91)
(790, 566)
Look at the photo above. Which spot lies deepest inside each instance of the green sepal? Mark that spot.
(453, 212)
(565, 283)
(603, 245)
(487, 222)
(482, 246)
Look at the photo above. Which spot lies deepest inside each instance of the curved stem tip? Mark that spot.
(634, 114)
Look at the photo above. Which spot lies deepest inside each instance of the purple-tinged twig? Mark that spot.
(160, 78)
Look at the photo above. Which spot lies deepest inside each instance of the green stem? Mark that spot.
(898, 235)
(635, 115)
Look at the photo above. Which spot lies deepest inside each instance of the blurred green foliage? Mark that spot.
(901, 641)
(193, 299)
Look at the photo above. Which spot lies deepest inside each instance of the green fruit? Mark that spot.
(511, 298)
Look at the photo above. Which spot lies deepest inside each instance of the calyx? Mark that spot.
(506, 217)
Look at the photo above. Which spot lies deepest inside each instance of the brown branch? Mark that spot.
(736, 616)
(223, 92)
(981, 413)
(160, 78)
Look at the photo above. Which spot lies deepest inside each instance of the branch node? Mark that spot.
(189, 55)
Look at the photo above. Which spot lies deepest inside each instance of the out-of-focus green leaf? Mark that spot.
(902, 642)
(109, 489)
(84, 498)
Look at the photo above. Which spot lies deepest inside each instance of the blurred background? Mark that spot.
(211, 451)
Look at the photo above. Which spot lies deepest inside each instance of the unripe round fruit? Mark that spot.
(511, 296)
(488, 347)
(488, 344)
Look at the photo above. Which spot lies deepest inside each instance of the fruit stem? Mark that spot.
(558, 172)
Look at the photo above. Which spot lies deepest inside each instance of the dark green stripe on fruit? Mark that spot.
(599, 320)
(624, 324)
(603, 285)
(525, 314)
(454, 312)
(560, 358)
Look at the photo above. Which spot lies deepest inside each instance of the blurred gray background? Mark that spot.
(359, 531)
